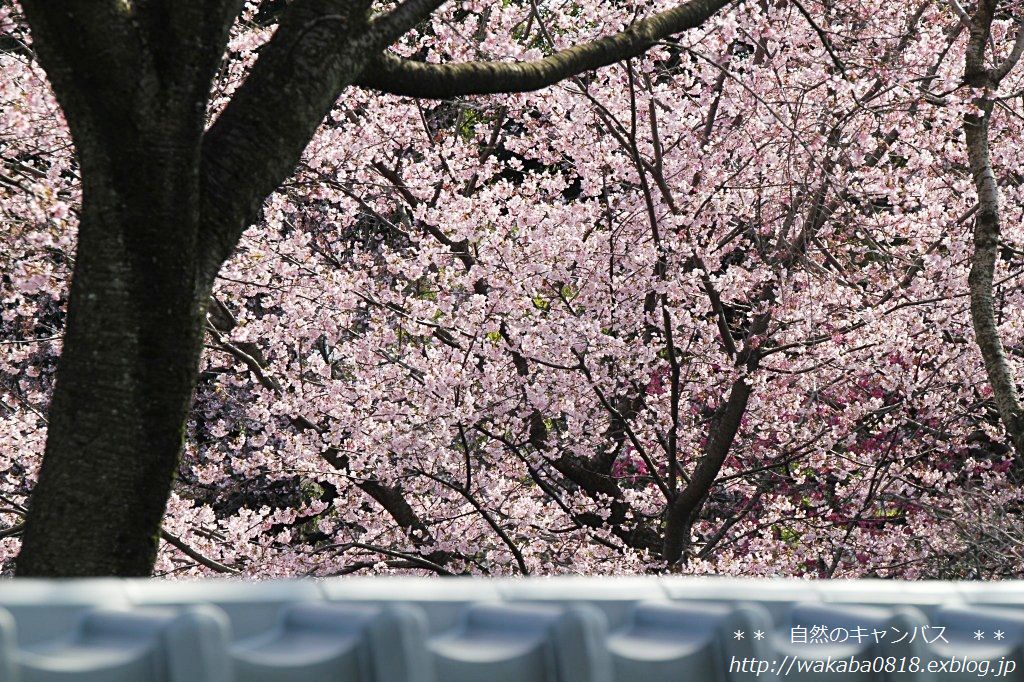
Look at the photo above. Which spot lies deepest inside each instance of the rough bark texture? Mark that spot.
(986, 225)
(124, 382)
(983, 263)
(257, 140)
(134, 332)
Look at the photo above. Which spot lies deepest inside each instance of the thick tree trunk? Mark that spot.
(125, 379)
(133, 81)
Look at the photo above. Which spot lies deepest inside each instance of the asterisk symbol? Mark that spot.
(999, 634)
(758, 634)
(979, 635)
(738, 634)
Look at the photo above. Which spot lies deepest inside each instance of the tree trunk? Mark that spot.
(980, 281)
(685, 507)
(682, 511)
(131, 351)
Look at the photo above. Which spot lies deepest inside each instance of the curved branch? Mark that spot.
(420, 562)
(177, 543)
(398, 76)
(1003, 68)
(12, 530)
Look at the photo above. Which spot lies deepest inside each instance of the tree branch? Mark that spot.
(487, 517)
(419, 561)
(987, 227)
(256, 142)
(1003, 68)
(387, 28)
(822, 36)
(177, 543)
(12, 530)
(398, 76)
(975, 72)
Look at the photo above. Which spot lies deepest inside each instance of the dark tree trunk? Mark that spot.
(133, 81)
(125, 379)
(684, 508)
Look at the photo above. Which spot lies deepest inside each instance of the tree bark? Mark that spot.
(980, 281)
(684, 507)
(129, 365)
(134, 96)
(986, 223)
(388, 73)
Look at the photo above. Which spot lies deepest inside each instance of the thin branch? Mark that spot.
(418, 560)
(177, 543)
(254, 366)
(495, 526)
(822, 36)
(387, 28)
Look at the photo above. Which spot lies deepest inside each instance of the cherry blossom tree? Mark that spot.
(165, 200)
(706, 309)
